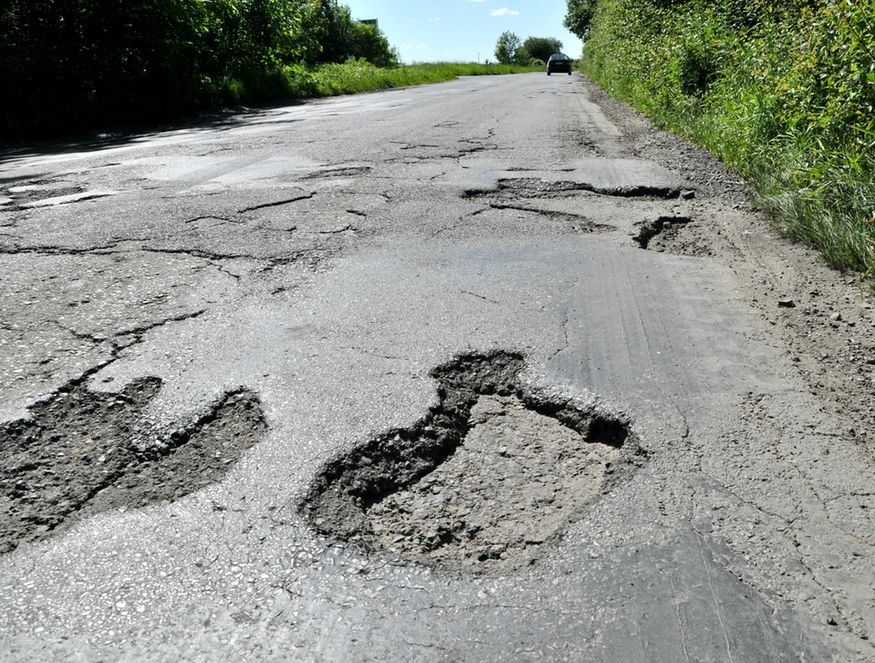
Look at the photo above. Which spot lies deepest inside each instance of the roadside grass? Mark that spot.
(784, 95)
(360, 76)
(352, 77)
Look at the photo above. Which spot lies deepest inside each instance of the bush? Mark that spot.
(541, 48)
(782, 90)
(76, 63)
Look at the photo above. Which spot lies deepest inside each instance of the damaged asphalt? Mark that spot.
(484, 370)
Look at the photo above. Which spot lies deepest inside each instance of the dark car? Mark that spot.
(559, 62)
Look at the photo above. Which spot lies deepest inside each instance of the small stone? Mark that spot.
(786, 302)
(836, 317)
(688, 194)
(831, 621)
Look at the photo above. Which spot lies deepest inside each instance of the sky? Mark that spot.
(463, 30)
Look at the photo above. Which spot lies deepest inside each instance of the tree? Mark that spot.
(340, 37)
(542, 47)
(75, 63)
(521, 56)
(368, 42)
(506, 48)
(579, 16)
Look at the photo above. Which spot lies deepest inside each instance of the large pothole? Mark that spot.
(663, 227)
(483, 483)
(531, 188)
(672, 234)
(77, 456)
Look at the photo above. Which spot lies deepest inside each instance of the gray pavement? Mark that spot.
(324, 259)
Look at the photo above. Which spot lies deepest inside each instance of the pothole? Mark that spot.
(539, 188)
(77, 456)
(37, 193)
(666, 227)
(484, 483)
(567, 220)
(678, 235)
(338, 171)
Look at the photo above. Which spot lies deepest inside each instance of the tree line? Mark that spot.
(510, 49)
(81, 62)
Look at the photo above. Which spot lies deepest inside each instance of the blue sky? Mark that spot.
(457, 30)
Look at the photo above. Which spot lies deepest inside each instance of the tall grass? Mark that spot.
(354, 76)
(360, 76)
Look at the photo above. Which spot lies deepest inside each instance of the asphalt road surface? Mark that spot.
(489, 370)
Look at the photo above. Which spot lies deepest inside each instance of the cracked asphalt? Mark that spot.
(311, 266)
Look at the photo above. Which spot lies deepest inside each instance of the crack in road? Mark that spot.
(218, 257)
(139, 331)
(478, 296)
(277, 203)
(104, 249)
(347, 228)
(211, 218)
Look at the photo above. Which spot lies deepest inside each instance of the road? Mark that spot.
(486, 370)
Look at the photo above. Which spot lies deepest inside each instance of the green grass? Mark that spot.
(783, 91)
(350, 78)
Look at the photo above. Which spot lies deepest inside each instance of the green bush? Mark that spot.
(782, 90)
(70, 64)
(697, 66)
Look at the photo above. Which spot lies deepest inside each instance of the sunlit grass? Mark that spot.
(778, 97)
(352, 77)
(355, 76)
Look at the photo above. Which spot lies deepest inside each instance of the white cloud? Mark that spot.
(504, 11)
(478, 0)
(434, 20)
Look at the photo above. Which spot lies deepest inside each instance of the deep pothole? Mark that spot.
(665, 228)
(538, 188)
(484, 483)
(78, 456)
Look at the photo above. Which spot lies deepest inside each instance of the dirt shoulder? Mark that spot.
(825, 318)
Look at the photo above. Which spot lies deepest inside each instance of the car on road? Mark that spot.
(559, 62)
